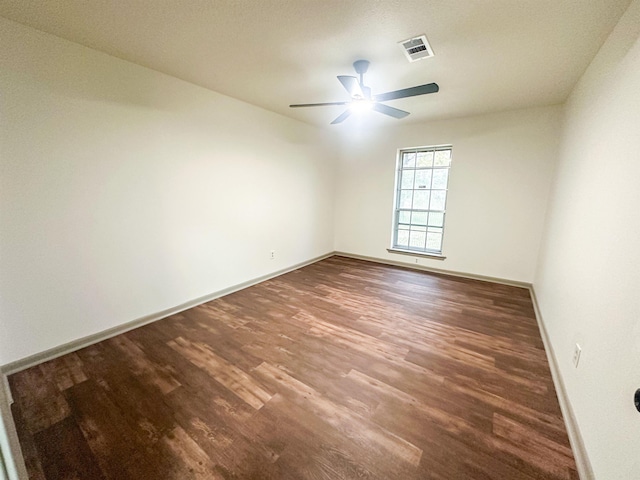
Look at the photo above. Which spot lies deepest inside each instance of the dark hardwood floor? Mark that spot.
(342, 369)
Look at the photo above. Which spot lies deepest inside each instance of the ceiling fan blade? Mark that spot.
(407, 92)
(351, 85)
(387, 110)
(342, 117)
(318, 104)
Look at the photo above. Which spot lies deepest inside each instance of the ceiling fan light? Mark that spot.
(361, 105)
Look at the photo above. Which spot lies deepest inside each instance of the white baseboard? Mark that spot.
(414, 266)
(12, 459)
(74, 345)
(50, 354)
(575, 437)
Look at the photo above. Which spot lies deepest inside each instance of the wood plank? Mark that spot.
(65, 371)
(194, 462)
(154, 374)
(65, 454)
(29, 450)
(41, 403)
(341, 418)
(329, 454)
(525, 443)
(123, 448)
(222, 371)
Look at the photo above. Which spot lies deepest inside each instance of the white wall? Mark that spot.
(588, 281)
(498, 188)
(125, 192)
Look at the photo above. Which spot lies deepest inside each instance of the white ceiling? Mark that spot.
(490, 55)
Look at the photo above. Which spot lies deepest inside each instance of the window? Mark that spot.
(421, 197)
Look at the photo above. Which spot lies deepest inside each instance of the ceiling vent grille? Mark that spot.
(416, 48)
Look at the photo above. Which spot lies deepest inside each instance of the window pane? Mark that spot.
(405, 198)
(437, 199)
(403, 238)
(407, 179)
(421, 199)
(423, 178)
(440, 176)
(404, 217)
(436, 219)
(434, 241)
(417, 239)
(443, 158)
(409, 160)
(419, 218)
(425, 159)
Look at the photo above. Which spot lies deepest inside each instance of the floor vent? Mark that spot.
(416, 48)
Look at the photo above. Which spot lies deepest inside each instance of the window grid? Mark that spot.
(419, 226)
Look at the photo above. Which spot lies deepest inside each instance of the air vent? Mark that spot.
(416, 48)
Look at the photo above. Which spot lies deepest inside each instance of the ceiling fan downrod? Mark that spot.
(361, 67)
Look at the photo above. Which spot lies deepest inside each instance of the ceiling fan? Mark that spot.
(361, 98)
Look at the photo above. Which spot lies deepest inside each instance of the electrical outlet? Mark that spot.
(416, 260)
(576, 355)
(273, 254)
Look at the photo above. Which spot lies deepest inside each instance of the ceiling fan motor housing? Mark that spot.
(361, 66)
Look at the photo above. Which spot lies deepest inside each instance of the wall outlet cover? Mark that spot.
(576, 355)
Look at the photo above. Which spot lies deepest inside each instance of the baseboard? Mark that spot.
(74, 345)
(413, 266)
(12, 458)
(575, 437)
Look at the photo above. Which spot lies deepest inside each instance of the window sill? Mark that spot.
(413, 253)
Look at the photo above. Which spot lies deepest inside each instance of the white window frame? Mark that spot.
(398, 210)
